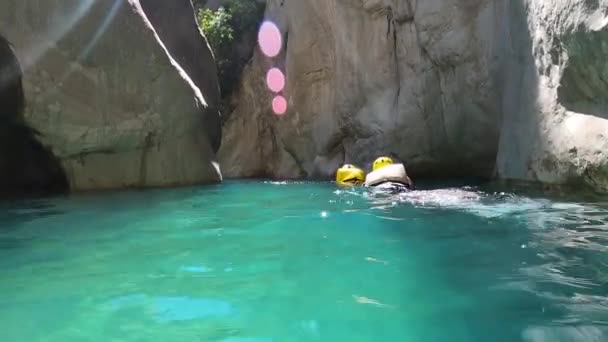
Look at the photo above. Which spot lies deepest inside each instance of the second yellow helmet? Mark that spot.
(381, 162)
(350, 175)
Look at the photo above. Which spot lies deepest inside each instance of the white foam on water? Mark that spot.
(472, 201)
(538, 212)
(277, 182)
(565, 334)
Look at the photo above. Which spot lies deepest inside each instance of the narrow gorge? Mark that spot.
(304, 170)
(491, 88)
(120, 94)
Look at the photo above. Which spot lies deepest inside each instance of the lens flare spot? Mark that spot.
(269, 39)
(275, 80)
(279, 105)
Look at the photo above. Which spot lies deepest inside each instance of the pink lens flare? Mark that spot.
(275, 80)
(269, 39)
(279, 105)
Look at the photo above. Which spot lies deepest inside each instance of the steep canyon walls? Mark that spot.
(507, 88)
(123, 93)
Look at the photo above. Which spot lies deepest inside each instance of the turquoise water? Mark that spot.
(268, 261)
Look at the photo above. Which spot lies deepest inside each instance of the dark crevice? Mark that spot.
(175, 24)
(389, 20)
(398, 73)
(298, 162)
(143, 166)
(436, 67)
(232, 55)
(27, 167)
(282, 146)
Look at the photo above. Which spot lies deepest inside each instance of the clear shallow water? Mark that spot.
(264, 261)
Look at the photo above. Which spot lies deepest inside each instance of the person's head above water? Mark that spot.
(350, 175)
(384, 169)
(381, 162)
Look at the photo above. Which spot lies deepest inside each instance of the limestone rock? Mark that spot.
(417, 80)
(517, 89)
(125, 93)
(26, 166)
(556, 104)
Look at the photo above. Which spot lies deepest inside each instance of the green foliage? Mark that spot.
(228, 29)
(216, 26)
(246, 13)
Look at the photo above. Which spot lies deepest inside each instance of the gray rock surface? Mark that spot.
(417, 80)
(512, 88)
(124, 93)
(26, 166)
(556, 102)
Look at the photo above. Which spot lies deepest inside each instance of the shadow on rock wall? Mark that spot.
(520, 130)
(26, 166)
(168, 22)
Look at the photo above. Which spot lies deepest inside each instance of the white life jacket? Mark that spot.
(390, 173)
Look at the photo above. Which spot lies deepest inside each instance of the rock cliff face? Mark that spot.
(512, 88)
(556, 104)
(419, 80)
(25, 164)
(124, 93)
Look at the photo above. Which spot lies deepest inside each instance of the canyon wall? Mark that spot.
(514, 89)
(416, 80)
(555, 126)
(122, 93)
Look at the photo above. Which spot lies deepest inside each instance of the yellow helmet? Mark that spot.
(350, 175)
(381, 162)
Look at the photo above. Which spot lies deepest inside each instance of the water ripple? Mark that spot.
(262, 262)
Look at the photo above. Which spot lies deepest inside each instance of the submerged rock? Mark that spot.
(124, 93)
(511, 88)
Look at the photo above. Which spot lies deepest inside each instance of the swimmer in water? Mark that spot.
(349, 175)
(385, 176)
(388, 176)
